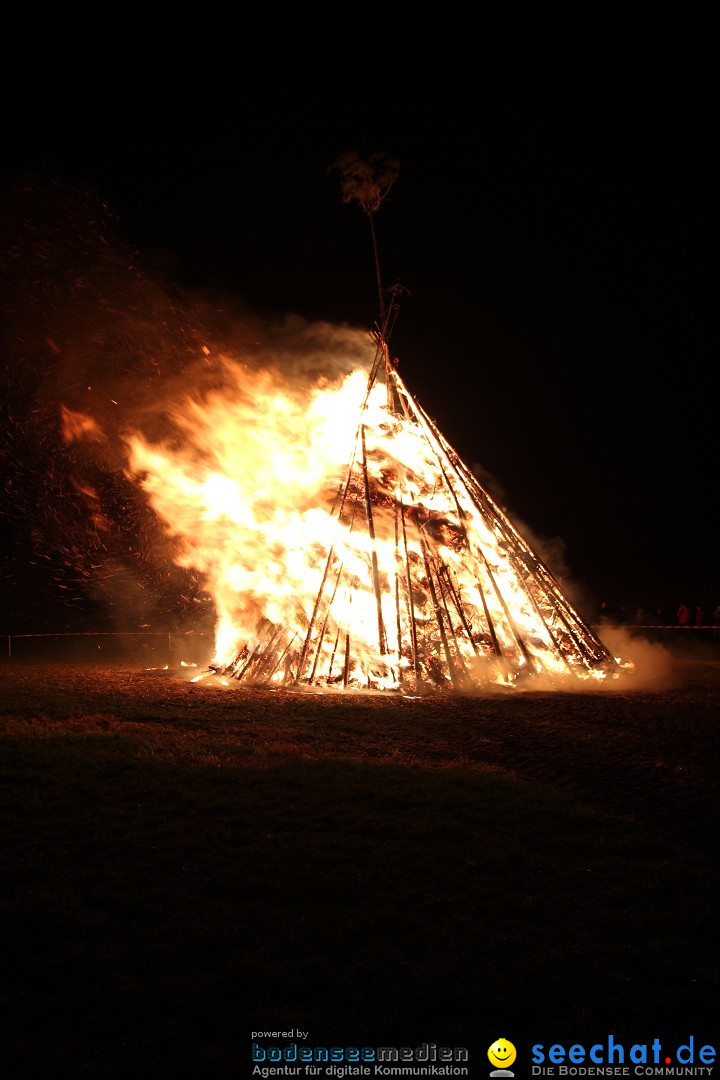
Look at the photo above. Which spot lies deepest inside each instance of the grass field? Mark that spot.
(183, 865)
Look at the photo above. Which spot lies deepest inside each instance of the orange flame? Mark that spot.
(343, 542)
(77, 425)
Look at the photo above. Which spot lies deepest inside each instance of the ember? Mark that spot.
(346, 545)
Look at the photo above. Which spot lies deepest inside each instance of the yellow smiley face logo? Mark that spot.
(502, 1053)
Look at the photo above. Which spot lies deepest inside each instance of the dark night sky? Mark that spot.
(554, 222)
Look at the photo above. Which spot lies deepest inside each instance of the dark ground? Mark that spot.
(185, 865)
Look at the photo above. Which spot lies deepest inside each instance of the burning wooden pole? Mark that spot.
(410, 601)
(382, 637)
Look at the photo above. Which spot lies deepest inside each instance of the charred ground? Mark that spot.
(186, 864)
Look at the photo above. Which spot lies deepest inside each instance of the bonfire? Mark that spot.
(342, 540)
(345, 544)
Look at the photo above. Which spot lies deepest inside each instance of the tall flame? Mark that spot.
(344, 543)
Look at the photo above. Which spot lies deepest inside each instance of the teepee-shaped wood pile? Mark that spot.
(426, 586)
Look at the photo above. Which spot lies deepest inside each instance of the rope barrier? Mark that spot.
(169, 634)
(97, 633)
(656, 626)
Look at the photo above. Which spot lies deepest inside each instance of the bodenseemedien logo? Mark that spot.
(502, 1054)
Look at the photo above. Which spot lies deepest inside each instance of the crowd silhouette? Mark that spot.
(698, 617)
